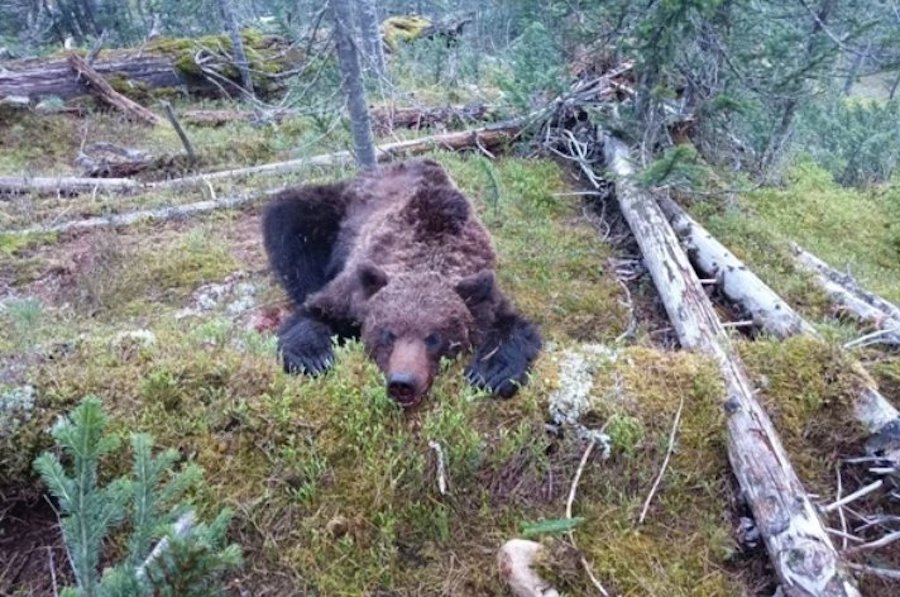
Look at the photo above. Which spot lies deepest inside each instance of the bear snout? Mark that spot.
(402, 388)
(408, 372)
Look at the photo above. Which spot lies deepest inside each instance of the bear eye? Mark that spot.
(388, 337)
(433, 342)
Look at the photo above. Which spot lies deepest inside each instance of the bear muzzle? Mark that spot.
(408, 373)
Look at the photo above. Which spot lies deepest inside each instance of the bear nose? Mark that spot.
(402, 388)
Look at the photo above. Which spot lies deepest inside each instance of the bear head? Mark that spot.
(409, 322)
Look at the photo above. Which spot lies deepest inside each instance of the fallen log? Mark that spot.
(485, 137)
(737, 282)
(387, 118)
(174, 212)
(215, 118)
(713, 260)
(844, 290)
(162, 63)
(799, 547)
(65, 185)
(105, 92)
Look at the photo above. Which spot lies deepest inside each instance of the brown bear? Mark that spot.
(397, 256)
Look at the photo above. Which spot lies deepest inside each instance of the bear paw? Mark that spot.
(501, 364)
(305, 346)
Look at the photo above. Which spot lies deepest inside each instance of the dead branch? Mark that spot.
(104, 91)
(569, 502)
(489, 136)
(861, 492)
(181, 528)
(665, 464)
(799, 548)
(170, 114)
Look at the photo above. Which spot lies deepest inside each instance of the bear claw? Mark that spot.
(305, 346)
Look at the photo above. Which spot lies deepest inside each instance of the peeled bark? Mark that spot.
(799, 548)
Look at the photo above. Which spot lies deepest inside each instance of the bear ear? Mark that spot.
(476, 288)
(371, 278)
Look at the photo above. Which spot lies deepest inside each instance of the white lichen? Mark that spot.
(573, 399)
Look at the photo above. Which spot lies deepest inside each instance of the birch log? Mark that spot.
(799, 548)
(712, 259)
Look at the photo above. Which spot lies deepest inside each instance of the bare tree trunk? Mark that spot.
(799, 547)
(237, 45)
(370, 31)
(855, 67)
(352, 83)
(894, 87)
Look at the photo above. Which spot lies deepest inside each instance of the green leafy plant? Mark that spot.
(188, 559)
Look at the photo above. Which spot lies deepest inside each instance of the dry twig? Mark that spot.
(569, 502)
(665, 463)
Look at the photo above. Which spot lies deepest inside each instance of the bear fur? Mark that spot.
(398, 257)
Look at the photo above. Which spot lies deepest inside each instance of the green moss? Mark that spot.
(807, 387)
(887, 372)
(403, 28)
(15, 244)
(549, 258)
(336, 489)
(264, 54)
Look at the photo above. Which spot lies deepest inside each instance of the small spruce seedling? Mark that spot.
(160, 561)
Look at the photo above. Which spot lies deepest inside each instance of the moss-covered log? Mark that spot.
(201, 66)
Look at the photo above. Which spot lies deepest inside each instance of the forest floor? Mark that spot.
(335, 489)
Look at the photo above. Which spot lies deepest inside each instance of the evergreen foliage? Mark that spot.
(193, 561)
(857, 141)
